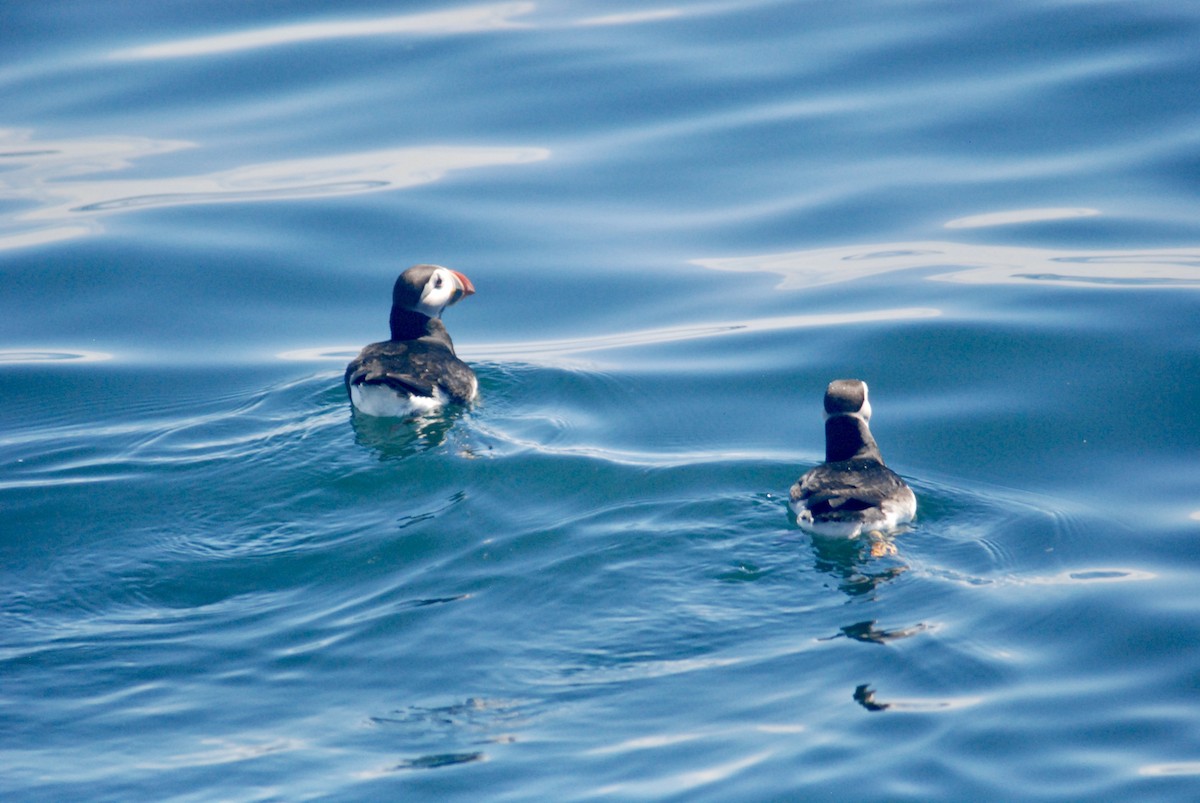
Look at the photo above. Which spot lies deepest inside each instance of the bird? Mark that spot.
(416, 371)
(852, 492)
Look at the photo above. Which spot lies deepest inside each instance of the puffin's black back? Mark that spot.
(415, 366)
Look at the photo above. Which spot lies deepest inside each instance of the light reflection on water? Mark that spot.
(45, 174)
(465, 20)
(539, 350)
(1173, 768)
(38, 356)
(1018, 216)
(472, 19)
(969, 263)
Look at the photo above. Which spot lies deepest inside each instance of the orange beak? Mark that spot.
(465, 283)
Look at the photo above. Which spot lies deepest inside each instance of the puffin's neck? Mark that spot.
(847, 437)
(409, 325)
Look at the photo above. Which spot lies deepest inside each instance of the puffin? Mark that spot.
(852, 492)
(416, 371)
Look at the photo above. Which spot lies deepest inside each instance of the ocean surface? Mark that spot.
(682, 221)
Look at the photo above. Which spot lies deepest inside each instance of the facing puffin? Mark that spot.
(852, 491)
(416, 371)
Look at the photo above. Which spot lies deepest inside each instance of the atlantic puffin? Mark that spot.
(416, 371)
(852, 492)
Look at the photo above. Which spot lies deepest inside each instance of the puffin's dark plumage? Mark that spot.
(416, 370)
(852, 491)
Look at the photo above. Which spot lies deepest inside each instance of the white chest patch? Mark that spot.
(383, 402)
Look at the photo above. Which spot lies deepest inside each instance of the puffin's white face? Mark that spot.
(444, 287)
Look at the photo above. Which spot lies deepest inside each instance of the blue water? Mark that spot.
(682, 221)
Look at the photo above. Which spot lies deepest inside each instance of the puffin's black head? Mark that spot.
(847, 397)
(429, 289)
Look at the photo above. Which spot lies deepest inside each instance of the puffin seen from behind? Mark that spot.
(416, 371)
(852, 491)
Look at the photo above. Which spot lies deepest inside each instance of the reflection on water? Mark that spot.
(44, 175)
(1018, 216)
(474, 721)
(321, 354)
(228, 751)
(973, 264)
(674, 334)
(472, 19)
(39, 173)
(534, 351)
(870, 633)
(1099, 575)
(466, 20)
(632, 17)
(60, 158)
(860, 565)
(1174, 768)
(864, 695)
(40, 356)
(402, 437)
(438, 760)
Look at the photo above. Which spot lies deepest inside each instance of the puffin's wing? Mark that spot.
(389, 363)
(459, 380)
(413, 367)
(832, 487)
(374, 374)
(404, 383)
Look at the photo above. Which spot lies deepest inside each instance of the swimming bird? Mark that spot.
(416, 371)
(852, 491)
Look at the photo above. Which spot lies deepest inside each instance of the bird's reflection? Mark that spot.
(864, 695)
(403, 437)
(869, 632)
(860, 565)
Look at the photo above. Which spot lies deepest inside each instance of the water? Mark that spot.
(682, 221)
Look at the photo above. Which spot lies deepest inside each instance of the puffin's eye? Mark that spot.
(437, 281)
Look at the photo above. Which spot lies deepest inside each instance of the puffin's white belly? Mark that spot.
(384, 402)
